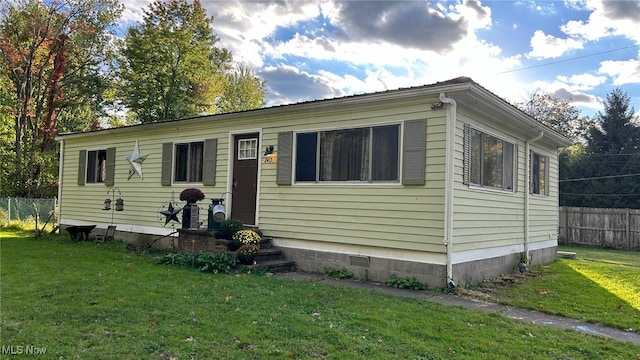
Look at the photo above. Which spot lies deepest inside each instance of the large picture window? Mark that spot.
(188, 162)
(96, 166)
(539, 174)
(368, 154)
(490, 160)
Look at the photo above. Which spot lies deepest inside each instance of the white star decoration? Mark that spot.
(136, 159)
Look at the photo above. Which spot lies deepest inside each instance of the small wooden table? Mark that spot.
(80, 232)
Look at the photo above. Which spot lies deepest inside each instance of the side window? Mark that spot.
(96, 169)
(539, 174)
(489, 160)
(188, 162)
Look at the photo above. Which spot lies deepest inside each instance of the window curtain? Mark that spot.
(195, 161)
(385, 153)
(344, 155)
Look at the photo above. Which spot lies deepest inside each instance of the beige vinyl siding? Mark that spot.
(386, 215)
(383, 215)
(142, 197)
(486, 218)
(543, 218)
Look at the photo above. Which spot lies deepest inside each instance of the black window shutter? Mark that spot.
(285, 150)
(82, 167)
(414, 151)
(111, 167)
(167, 160)
(209, 162)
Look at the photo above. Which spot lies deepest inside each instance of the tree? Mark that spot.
(49, 50)
(616, 131)
(605, 171)
(242, 91)
(171, 67)
(557, 114)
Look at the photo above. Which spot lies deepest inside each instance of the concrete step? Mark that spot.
(269, 254)
(274, 266)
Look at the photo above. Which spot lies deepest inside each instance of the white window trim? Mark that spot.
(255, 147)
(474, 186)
(173, 161)
(397, 183)
(546, 189)
(86, 170)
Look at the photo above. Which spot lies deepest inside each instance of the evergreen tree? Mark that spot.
(611, 156)
(616, 132)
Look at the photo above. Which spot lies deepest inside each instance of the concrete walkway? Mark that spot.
(528, 316)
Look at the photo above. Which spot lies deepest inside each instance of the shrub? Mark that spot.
(215, 263)
(405, 283)
(204, 262)
(229, 227)
(342, 273)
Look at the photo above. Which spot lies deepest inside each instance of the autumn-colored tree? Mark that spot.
(48, 50)
(557, 114)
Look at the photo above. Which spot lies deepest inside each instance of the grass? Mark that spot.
(98, 301)
(599, 286)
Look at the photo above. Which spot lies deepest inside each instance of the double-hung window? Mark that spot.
(368, 154)
(539, 174)
(96, 166)
(188, 162)
(489, 160)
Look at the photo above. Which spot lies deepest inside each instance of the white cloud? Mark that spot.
(582, 81)
(622, 72)
(548, 46)
(609, 18)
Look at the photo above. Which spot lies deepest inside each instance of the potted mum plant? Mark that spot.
(247, 253)
(248, 243)
(191, 211)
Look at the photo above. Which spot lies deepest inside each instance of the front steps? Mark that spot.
(271, 259)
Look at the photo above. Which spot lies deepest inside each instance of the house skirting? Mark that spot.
(378, 269)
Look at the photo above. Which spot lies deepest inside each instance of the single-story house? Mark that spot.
(445, 182)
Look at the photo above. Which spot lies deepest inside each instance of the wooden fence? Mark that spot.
(612, 228)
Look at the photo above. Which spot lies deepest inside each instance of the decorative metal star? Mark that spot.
(136, 159)
(170, 214)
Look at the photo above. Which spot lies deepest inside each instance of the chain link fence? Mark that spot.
(25, 209)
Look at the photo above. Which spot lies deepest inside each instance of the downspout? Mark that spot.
(448, 183)
(60, 168)
(527, 190)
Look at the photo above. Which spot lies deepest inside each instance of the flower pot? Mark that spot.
(246, 260)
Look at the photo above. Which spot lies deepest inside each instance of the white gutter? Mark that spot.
(60, 167)
(527, 190)
(448, 183)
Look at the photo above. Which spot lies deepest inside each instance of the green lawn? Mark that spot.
(89, 301)
(600, 286)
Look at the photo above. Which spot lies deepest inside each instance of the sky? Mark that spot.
(308, 50)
